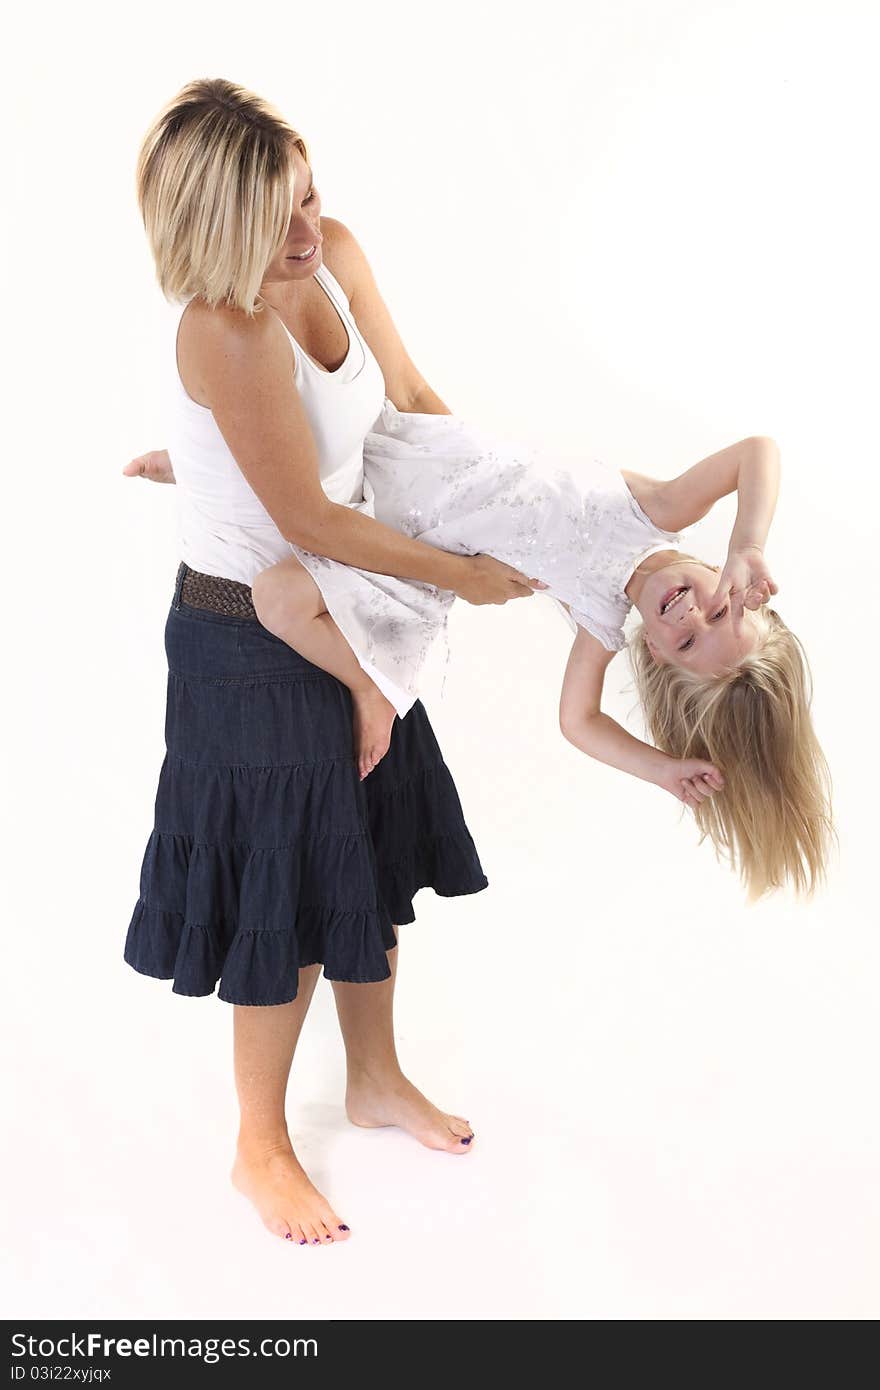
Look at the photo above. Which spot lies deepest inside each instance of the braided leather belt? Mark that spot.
(214, 592)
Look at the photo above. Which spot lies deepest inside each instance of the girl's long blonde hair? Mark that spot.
(215, 176)
(772, 820)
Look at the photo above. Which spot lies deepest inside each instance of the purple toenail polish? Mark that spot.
(328, 1237)
(288, 1236)
(304, 1241)
(315, 1240)
(467, 1141)
(343, 1228)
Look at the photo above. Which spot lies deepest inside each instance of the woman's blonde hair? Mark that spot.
(772, 820)
(215, 177)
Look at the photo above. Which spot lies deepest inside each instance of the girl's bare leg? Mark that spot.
(289, 604)
(266, 1168)
(377, 1092)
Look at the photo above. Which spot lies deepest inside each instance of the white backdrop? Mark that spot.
(643, 230)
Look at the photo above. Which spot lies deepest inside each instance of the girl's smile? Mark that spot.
(682, 625)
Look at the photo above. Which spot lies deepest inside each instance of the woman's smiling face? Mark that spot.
(303, 233)
(684, 628)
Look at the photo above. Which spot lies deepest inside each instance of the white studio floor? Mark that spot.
(674, 1110)
(627, 1180)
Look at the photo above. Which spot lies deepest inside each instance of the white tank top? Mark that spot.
(223, 527)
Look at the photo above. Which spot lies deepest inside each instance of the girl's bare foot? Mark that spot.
(373, 719)
(392, 1100)
(271, 1177)
(155, 465)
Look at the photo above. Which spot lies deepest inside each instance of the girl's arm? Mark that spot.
(583, 724)
(749, 468)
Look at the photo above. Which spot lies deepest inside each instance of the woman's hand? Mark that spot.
(156, 466)
(745, 582)
(487, 580)
(690, 780)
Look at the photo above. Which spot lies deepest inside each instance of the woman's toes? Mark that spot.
(334, 1229)
(279, 1227)
(458, 1141)
(460, 1128)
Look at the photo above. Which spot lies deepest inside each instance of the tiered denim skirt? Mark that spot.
(267, 852)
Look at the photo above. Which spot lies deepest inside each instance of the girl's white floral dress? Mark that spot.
(448, 483)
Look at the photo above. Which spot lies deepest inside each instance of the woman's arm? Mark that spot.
(404, 383)
(583, 724)
(245, 371)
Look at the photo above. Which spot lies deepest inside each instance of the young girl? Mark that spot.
(724, 684)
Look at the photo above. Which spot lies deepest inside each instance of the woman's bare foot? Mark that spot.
(271, 1177)
(373, 720)
(393, 1100)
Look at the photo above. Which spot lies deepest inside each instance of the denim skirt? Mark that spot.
(267, 852)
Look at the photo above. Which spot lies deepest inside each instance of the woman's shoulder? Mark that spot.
(343, 255)
(223, 323)
(211, 336)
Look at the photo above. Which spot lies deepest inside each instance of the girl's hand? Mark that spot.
(156, 466)
(487, 580)
(690, 780)
(745, 582)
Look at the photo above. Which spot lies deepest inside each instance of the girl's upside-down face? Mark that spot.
(683, 627)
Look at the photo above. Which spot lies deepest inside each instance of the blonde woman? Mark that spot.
(269, 857)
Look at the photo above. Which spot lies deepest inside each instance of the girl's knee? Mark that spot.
(263, 590)
(282, 590)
